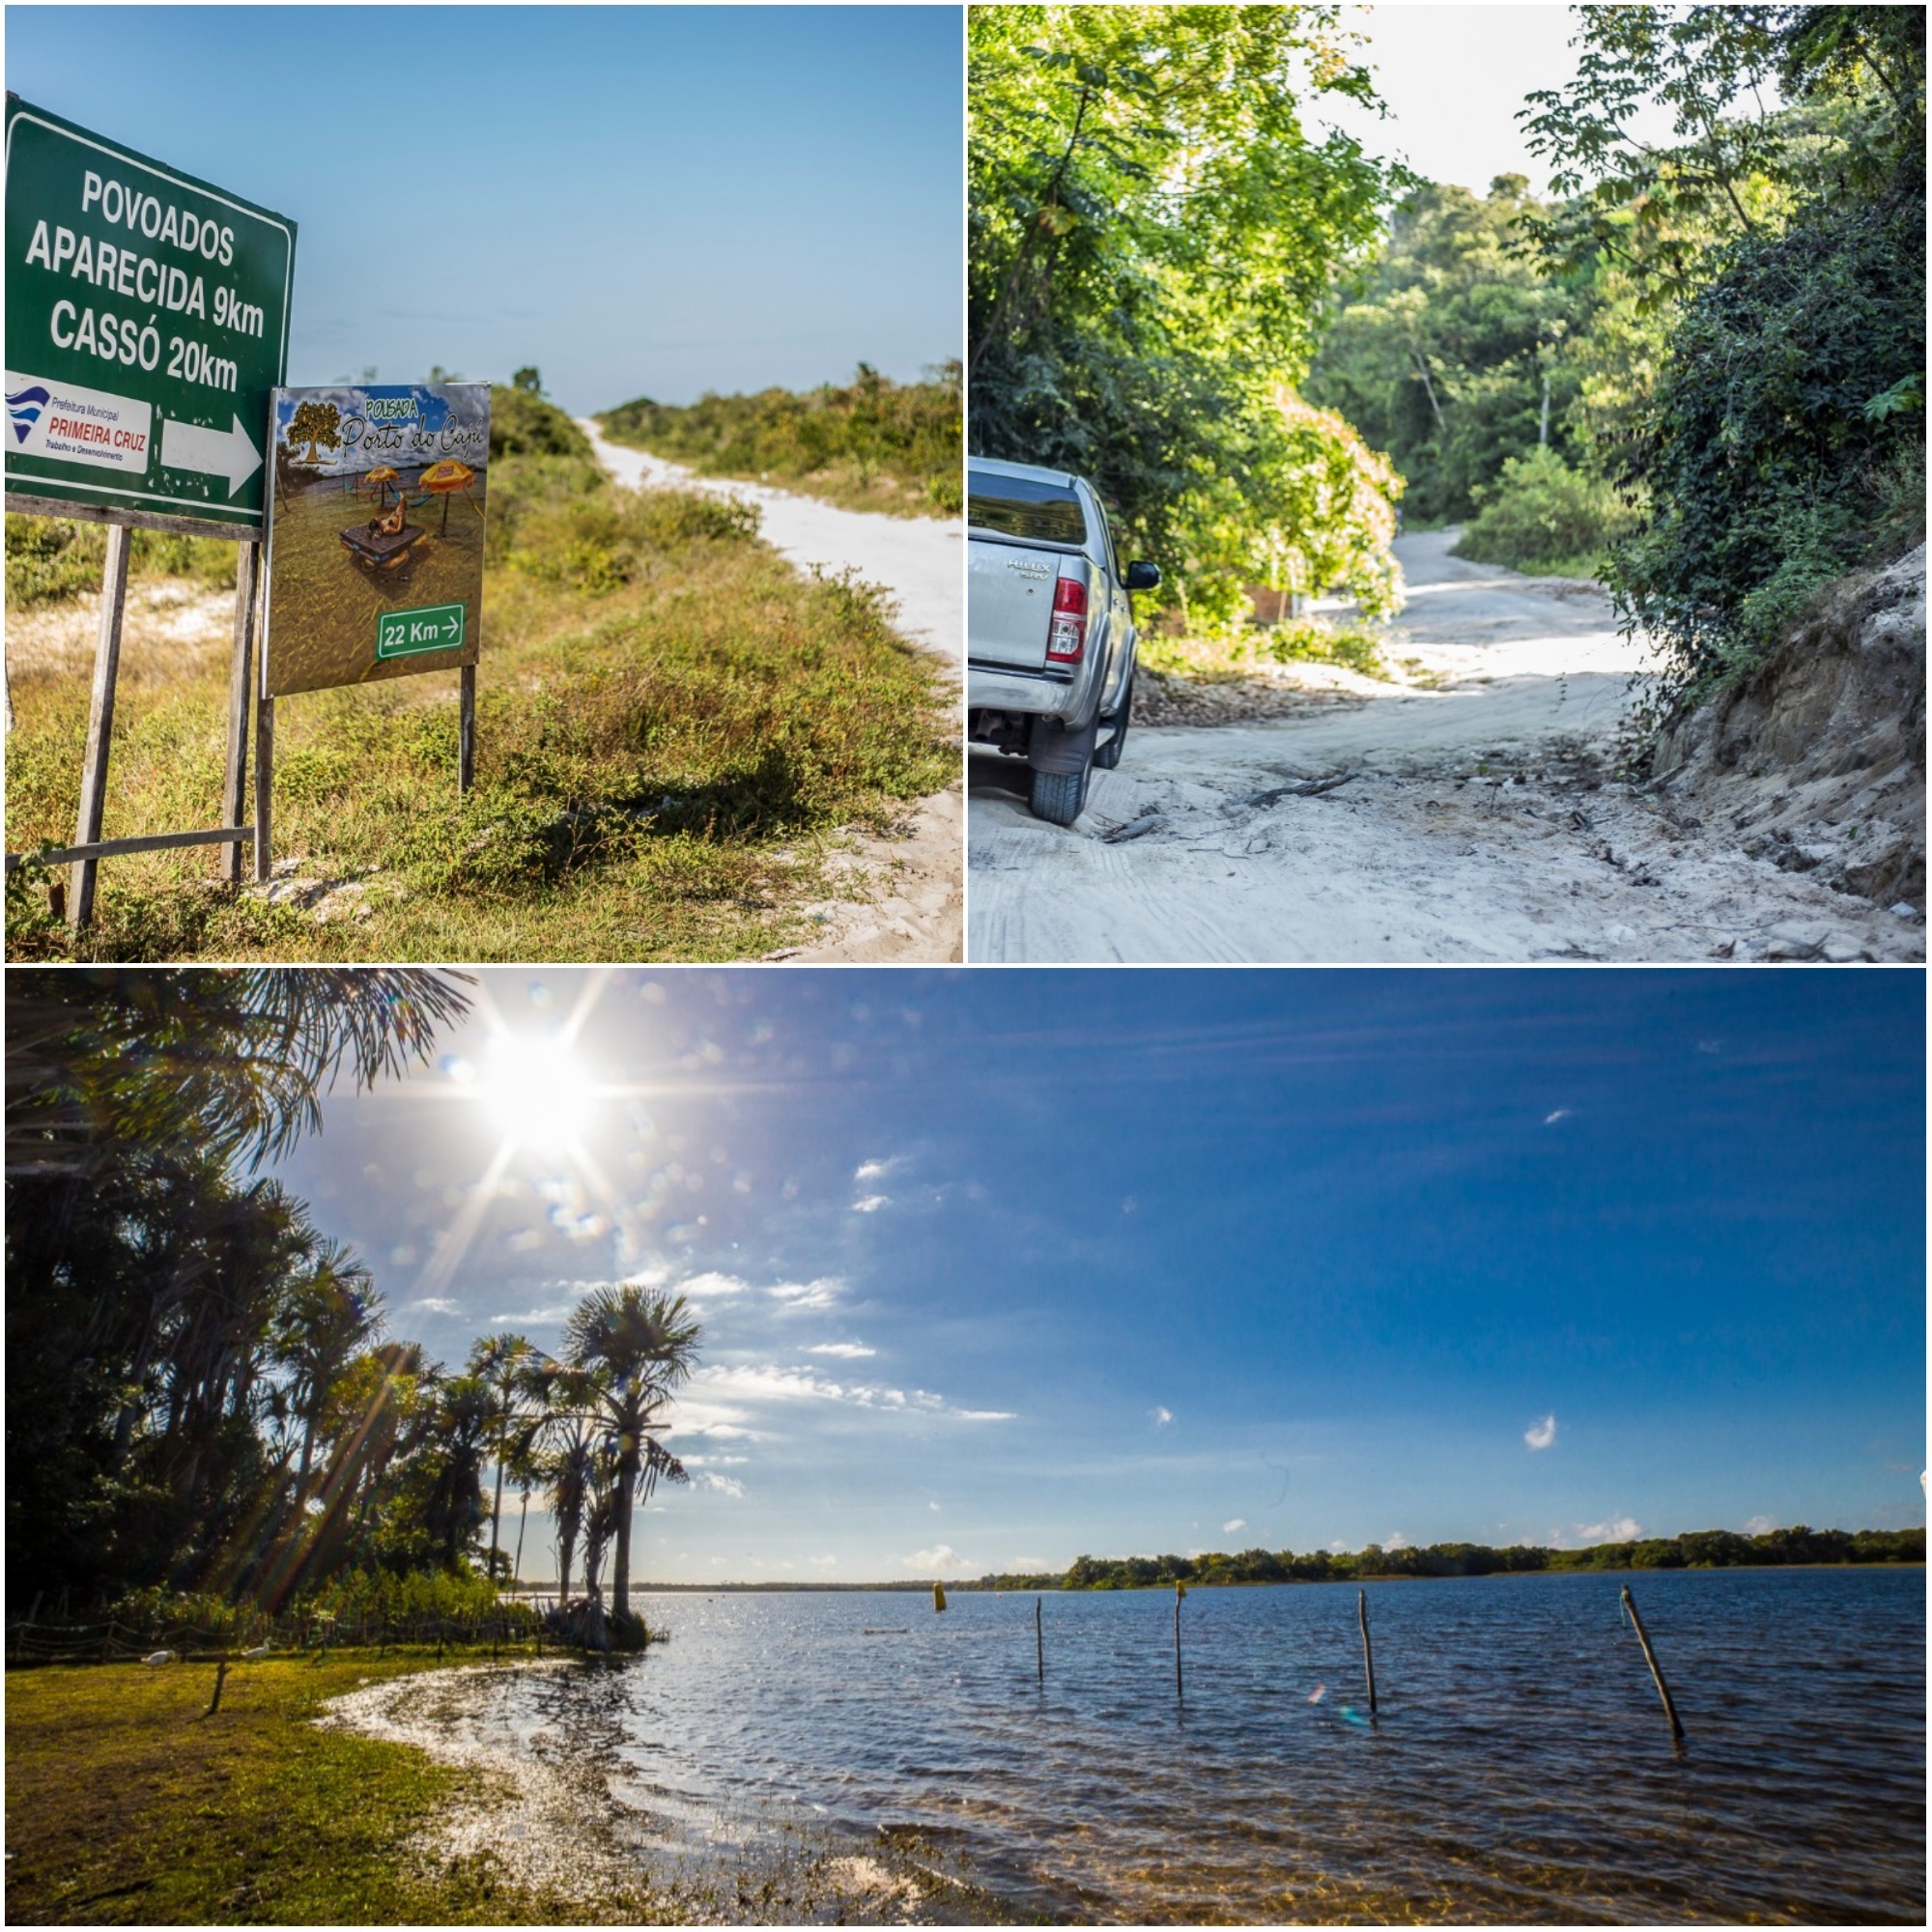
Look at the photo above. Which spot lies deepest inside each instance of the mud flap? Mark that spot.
(1053, 748)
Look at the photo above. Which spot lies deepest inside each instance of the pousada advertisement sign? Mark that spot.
(374, 545)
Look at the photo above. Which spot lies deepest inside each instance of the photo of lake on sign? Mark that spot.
(1517, 1767)
(376, 527)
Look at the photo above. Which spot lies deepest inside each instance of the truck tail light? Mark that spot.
(1066, 637)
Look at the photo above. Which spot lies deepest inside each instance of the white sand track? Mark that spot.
(912, 907)
(1485, 823)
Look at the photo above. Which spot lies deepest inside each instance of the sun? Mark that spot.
(535, 1089)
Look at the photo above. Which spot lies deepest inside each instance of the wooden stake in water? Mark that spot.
(1656, 1669)
(1179, 1591)
(1039, 1641)
(1368, 1649)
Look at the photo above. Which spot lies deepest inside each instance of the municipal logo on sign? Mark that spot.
(76, 425)
(400, 633)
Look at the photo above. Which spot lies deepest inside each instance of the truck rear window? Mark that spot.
(1020, 506)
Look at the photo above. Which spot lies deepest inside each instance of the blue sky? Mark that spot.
(998, 1268)
(638, 200)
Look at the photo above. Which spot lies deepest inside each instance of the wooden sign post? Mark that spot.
(159, 427)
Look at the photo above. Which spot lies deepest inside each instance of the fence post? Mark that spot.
(1656, 1669)
(1368, 1649)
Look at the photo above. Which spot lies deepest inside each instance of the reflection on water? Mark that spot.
(323, 603)
(1520, 1768)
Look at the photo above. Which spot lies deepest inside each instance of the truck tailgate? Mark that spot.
(1010, 603)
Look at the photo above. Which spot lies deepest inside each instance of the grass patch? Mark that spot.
(126, 1806)
(1219, 658)
(674, 727)
(874, 444)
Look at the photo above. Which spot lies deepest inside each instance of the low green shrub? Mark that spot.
(1542, 516)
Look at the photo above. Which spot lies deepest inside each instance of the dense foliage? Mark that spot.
(201, 1397)
(1153, 233)
(872, 433)
(1783, 442)
(1695, 1549)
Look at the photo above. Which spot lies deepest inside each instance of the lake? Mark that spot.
(1520, 1767)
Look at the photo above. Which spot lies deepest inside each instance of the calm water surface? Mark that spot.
(1519, 1768)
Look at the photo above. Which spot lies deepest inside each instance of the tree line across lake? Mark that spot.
(1694, 1550)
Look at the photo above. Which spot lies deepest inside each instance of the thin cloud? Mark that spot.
(871, 1204)
(877, 1170)
(560, 1312)
(1395, 1540)
(771, 1382)
(435, 1304)
(1762, 1525)
(1561, 1114)
(1233, 1523)
(846, 1350)
(821, 1294)
(1540, 1435)
(1160, 1417)
(729, 1486)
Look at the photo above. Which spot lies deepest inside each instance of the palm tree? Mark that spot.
(511, 1367)
(327, 1319)
(633, 1349)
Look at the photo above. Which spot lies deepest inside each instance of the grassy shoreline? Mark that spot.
(127, 1804)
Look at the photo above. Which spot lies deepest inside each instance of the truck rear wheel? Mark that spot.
(1058, 796)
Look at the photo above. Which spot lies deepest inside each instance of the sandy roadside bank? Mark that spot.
(911, 904)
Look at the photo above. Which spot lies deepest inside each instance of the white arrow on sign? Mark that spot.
(214, 452)
(453, 628)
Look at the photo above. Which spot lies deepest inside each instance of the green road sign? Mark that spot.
(147, 321)
(401, 634)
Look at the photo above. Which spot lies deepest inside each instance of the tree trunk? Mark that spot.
(566, 1555)
(620, 1574)
(523, 1521)
(496, 1513)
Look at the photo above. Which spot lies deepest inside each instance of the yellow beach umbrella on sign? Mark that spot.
(446, 478)
(380, 479)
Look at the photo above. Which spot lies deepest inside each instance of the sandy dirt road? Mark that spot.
(1484, 821)
(912, 906)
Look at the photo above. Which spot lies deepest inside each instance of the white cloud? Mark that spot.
(877, 1170)
(871, 1204)
(434, 1304)
(712, 1286)
(1561, 1114)
(940, 1556)
(1395, 1540)
(1540, 1435)
(1619, 1529)
(729, 1486)
(1762, 1525)
(846, 1350)
(823, 1562)
(1233, 1523)
(820, 1294)
(1160, 1417)
(560, 1312)
(932, 1506)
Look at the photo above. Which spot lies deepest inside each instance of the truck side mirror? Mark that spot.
(1142, 577)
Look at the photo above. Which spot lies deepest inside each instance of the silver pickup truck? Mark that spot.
(1049, 629)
